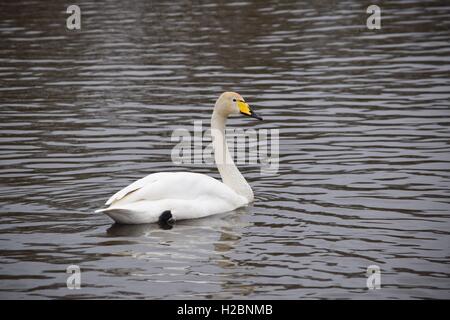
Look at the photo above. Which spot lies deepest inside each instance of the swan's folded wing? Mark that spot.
(132, 187)
(174, 185)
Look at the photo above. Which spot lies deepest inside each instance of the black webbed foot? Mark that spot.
(166, 220)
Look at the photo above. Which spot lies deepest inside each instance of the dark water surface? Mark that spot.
(364, 119)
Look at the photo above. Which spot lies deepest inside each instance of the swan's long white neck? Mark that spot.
(228, 171)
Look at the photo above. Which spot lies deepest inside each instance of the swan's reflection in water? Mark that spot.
(183, 227)
(195, 255)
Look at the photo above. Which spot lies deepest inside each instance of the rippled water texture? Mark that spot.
(364, 173)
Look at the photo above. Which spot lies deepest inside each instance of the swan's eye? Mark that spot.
(234, 100)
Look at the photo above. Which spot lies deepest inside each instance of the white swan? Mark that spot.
(168, 196)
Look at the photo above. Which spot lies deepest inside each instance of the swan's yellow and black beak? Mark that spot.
(244, 108)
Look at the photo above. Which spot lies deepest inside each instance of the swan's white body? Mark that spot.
(187, 195)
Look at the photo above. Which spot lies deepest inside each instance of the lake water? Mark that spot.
(364, 120)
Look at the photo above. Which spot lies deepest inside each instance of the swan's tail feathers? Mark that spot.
(127, 216)
(102, 210)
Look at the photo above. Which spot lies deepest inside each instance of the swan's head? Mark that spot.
(233, 103)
